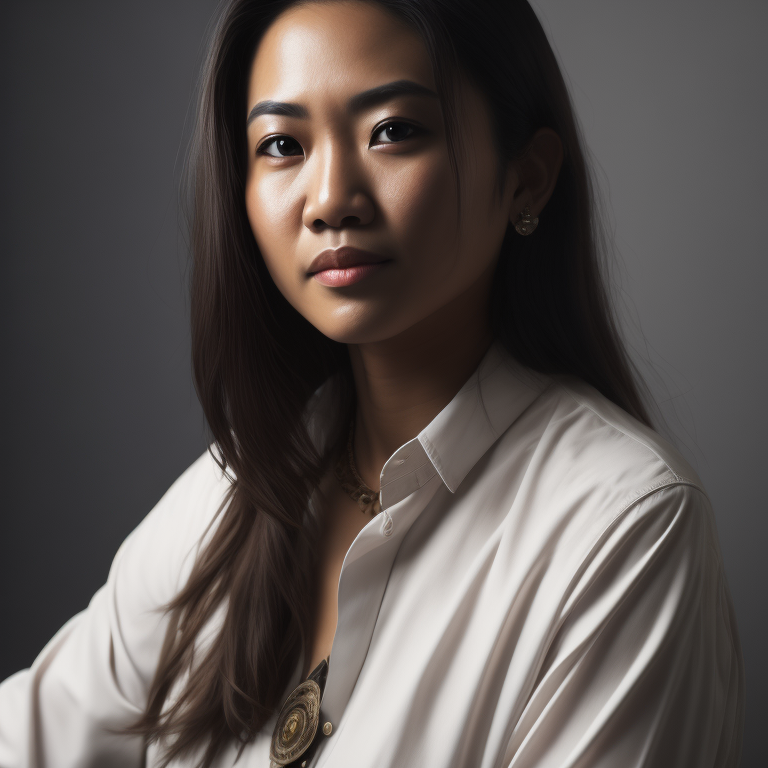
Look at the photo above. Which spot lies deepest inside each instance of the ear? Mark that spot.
(535, 173)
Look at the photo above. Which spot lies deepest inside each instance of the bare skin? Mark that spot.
(417, 327)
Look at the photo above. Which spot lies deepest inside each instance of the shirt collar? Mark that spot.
(493, 397)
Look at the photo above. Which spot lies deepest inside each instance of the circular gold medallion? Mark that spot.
(296, 724)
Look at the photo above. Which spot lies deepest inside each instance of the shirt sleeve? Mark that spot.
(93, 677)
(645, 668)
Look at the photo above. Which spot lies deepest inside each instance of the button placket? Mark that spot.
(362, 583)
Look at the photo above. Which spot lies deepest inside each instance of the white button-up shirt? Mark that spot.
(542, 588)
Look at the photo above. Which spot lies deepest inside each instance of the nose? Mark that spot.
(337, 195)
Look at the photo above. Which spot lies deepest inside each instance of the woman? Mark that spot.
(435, 527)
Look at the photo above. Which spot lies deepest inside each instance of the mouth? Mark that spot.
(345, 265)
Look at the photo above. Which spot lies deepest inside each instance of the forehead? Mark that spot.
(318, 49)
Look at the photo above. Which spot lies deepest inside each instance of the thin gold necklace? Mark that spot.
(354, 485)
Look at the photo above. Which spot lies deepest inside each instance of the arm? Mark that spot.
(645, 667)
(94, 676)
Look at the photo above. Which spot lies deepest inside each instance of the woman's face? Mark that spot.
(347, 149)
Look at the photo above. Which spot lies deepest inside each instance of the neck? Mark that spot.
(403, 382)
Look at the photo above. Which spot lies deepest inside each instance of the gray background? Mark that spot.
(98, 411)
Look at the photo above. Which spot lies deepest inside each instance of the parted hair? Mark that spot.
(257, 361)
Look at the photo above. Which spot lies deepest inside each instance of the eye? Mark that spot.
(280, 146)
(393, 133)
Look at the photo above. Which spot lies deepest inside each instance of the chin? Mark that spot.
(357, 331)
(353, 335)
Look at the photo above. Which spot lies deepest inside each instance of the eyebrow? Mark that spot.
(361, 101)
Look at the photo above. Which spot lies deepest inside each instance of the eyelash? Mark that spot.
(414, 131)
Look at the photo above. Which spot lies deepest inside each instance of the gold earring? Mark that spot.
(525, 224)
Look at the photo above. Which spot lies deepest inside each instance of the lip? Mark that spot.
(336, 278)
(343, 259)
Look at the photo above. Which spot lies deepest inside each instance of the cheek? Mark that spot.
(418, 203)
(274, 216)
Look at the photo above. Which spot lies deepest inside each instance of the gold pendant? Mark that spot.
(298, 719)
(296, 724)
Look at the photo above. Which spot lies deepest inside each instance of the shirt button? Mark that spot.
(327, 728)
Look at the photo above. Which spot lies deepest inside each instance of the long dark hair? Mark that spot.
(257, 361)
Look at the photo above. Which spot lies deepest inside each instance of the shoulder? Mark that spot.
(192, 500)
(158, 555)
(601, 442)
(621, 431)
(592, 467)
